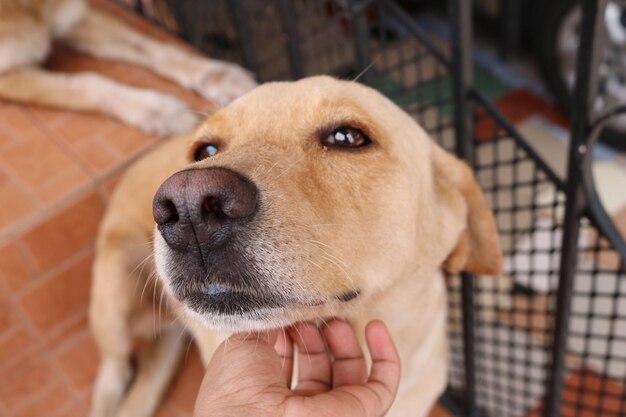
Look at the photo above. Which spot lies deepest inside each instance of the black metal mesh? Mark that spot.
(514, 312)
(597, 334)
(405, 70)
(514, 322)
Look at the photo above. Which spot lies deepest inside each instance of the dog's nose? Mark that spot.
(199, 207)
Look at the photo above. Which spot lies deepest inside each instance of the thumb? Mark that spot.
(242, 356)
(244, 372)
(248, 347)
(262, 338)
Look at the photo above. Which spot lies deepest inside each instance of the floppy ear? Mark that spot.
(477, 248)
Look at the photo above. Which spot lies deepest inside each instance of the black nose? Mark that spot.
(199, 207)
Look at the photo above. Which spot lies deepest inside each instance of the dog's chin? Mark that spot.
(223, 309)
(252, 318)
(257, 320)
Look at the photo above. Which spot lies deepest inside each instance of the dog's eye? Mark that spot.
(347, 137)
(205, 151)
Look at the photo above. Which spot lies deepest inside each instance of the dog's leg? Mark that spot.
(148, 110)
(156, 368)
(106, 37)
(110, 309)
(114, 375)
(23, 41)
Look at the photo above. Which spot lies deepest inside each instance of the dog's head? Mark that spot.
(303, 200)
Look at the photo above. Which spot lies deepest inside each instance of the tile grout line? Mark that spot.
(39, 126)
(8, 134)
(46, 275)
(80, 397)
(38, 342)
(28, 258)
(45, 212)
(19, 356)
(36, 396)
(64, 344)
(51, 134)
(24, 187)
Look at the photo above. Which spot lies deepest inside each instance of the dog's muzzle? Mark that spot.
(202, 215)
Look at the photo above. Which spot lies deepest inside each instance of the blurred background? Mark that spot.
(528, 44)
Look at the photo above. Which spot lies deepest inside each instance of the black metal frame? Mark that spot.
(462, 80)
(586, 81)
(475, 387)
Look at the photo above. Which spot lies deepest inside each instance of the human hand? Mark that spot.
(250, 375)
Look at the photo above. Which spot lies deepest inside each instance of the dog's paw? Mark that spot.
(157, 113)
(221, 82)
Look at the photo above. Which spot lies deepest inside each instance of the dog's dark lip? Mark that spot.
(223, 300)
(348, 295)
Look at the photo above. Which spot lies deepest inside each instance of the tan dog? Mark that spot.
(299, 201)
(28, 27)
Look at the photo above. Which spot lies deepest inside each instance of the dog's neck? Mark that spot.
(414, 311)
(411, 308)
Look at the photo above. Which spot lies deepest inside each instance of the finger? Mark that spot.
(349, 367)
(385, 374)
(374, 398)
(284, 348)
(314, 371)
(246, 362)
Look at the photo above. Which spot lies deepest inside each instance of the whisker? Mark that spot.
(332, 258)
(199, 112)
(188, 348)
(284, 358)
(154, 316)
(272, 167)
(149, 278)
(256, 345)
(296, 161)
(142, 264)
(327, 224)
(160, 304)
(182, 331)
(365, 70)
(326, 326)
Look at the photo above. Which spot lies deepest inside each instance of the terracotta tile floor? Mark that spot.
(57, 169)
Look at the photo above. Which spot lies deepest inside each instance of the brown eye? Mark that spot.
(346, 137)
(205, 151)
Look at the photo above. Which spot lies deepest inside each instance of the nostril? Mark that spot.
(212, 206)
(165, 212)
(170, 209)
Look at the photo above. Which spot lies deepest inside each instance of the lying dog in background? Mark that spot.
(28, 27)
(299, 201)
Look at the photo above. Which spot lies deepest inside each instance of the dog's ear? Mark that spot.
(477, 248)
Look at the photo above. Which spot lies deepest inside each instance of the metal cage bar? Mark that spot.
(361, 47)
(237, 12)
(586, 82)
(462, 81)
(286, 10)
